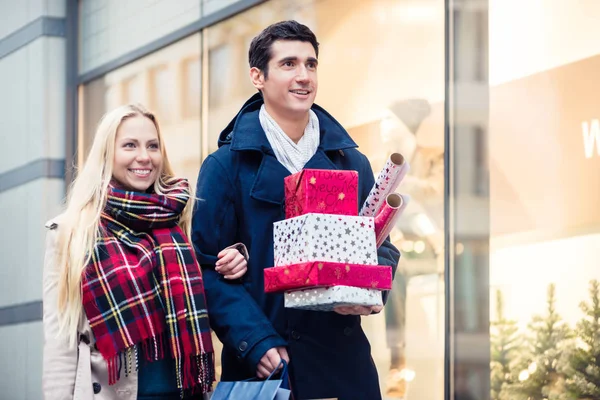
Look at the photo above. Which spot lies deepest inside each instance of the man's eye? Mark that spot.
(312, 65)
(288, 64)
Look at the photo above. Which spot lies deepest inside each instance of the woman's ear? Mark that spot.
(257, 78)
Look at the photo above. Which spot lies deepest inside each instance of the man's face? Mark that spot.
(291, 86)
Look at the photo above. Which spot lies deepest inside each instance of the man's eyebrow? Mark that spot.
(286, 59)
(294, 58)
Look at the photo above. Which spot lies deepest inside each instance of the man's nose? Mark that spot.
(302, 75)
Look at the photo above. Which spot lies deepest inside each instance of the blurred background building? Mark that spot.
(495, 103)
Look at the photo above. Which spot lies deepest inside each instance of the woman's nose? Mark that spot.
(142, 155)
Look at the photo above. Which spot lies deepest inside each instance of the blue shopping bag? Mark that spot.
(269, 389)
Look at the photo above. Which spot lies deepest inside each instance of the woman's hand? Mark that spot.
(231, 263)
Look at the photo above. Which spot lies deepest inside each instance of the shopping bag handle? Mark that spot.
(284, 376)
(284, 371)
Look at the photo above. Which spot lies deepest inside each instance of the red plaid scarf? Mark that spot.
(143, 289)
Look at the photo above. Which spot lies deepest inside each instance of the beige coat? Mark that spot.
(77, 373)
(73, 373)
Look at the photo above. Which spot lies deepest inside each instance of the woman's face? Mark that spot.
(138, 159)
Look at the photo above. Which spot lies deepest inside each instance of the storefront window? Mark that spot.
(168, 83)
(544, 197)
(381, 75)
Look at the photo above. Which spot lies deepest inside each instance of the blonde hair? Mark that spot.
(80, 224)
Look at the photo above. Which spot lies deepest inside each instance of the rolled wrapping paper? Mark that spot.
(394, 170)
(386, 218)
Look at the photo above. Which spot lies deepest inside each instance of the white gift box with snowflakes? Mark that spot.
(324, 237)
(326, 299)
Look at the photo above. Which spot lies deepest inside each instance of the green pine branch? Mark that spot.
(584, 380)
(506, 344)
(543, 361)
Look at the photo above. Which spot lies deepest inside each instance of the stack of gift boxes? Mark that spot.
(325, 253)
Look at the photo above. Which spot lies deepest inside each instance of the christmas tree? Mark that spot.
(505, 342)
(584, 382)
(542, 368)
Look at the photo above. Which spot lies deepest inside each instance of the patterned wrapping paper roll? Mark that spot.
(388, 215)
(394, 170)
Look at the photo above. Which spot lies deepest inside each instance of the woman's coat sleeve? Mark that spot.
(60, 361)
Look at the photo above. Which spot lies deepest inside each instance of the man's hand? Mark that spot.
(270, 361)
(231, 264)
(357, 310)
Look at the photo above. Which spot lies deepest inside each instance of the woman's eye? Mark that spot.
(154, 146)
(129, 144)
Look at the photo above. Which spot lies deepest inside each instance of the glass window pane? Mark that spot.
(388, 93)
(544, 197)
(192, 96)
(525, 200)
(162, 81)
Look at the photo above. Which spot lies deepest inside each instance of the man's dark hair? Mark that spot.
(259, 54)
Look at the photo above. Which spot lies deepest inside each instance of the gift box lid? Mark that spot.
(320, 274)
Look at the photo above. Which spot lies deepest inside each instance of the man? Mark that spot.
(240, 190)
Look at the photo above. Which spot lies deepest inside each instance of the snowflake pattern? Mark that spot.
(324, 237)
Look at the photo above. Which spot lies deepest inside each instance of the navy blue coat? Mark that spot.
(240, 195)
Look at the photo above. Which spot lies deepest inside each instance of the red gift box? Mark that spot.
(321, 191)
(322, 274)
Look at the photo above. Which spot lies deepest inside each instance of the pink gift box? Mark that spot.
(320, 274)
(321, 191)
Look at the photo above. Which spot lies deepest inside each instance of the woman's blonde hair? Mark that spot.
(80, 224)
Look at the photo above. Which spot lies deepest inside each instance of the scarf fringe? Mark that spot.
(195, 373)
(198, 374)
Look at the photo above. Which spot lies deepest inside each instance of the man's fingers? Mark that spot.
(274, 358)
(343, 310)
(283, 354)
(376, 309)
(353, 310)
(262, 372)
(363, 310)
(269, 360)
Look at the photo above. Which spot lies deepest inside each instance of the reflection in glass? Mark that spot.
(161, 93)
(544, 214)
(162, 82)
(192, 95)
(389, 94)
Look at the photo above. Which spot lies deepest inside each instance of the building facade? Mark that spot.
(493, 102)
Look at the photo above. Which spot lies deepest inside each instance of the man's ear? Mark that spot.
(257, 78)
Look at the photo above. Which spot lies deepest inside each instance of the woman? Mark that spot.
(124, 308)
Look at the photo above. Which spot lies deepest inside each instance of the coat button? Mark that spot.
(295, 335)
(96, 387)
(347, 331)
(84, 338)
(243, 346)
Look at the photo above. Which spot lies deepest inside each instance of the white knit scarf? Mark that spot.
(291, 155)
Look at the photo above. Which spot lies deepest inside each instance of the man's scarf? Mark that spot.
(143, 289)
(291, 155)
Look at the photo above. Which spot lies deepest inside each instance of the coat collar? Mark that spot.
(246, 133)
